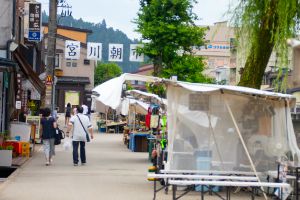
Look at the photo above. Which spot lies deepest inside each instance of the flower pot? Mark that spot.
(6, 158)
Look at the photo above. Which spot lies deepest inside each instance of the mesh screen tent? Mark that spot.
(228, 128)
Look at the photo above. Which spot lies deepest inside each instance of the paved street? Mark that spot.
(112, 173)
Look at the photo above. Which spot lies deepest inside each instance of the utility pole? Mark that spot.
(51, 52)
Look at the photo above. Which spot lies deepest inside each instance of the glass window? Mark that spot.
(68, 64)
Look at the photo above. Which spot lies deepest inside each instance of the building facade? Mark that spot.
(219, 53)
(20, 62)
(74, 78)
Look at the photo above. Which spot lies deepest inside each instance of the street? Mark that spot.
(112, 172)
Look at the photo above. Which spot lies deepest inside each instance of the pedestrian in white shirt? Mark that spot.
(81, 126)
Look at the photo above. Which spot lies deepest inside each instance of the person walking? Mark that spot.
(68, 114)
(81, 126)
(49, 126)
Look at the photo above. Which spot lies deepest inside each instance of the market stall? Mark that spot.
(228, 128)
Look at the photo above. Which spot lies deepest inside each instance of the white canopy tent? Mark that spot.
(111, 90)
(229, 128)
(148, 97)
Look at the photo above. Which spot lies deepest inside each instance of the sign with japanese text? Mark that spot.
(72, 49)
(94, 51)
(18, 105)
(115, 52)
(34, 29)
(134, 56)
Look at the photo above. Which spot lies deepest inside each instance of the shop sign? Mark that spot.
(34, 120)
(34, 29)
(18, 105)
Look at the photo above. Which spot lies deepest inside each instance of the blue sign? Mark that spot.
(34, 36)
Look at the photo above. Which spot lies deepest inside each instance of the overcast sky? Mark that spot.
(119, 13)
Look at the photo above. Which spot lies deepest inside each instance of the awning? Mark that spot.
(73, 79)
(30, 73)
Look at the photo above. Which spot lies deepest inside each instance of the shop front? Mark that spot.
(71, 90)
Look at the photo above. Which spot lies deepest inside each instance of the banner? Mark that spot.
(134, 56)
(94, 51)
(34, 28)
(72, 49)
(115, 52)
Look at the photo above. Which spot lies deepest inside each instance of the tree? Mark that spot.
(264, 26)
(168, 28)
(106, 71)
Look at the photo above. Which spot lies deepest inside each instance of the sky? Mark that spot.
(119, 14)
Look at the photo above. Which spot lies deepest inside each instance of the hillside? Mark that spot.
(103, 34)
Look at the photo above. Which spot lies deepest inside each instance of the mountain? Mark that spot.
(102, 34)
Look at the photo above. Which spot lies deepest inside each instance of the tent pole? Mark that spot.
(244, 145)
(106, 119)
(213, 133)
(134, 116)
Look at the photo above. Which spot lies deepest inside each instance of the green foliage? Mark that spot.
(159, 89)
(167, 27)
(105, 35)
(4, 135)
(264, 25)
(187, 68)
(106, 71)
(9, 147)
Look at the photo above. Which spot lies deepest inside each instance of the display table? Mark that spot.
(116, 126)
(138, 142)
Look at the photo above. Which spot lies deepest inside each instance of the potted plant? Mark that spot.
(6, 156)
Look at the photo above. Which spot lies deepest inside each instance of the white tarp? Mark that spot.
(203, 135)
(138, 106)
(111, 90)
(153, 98)
(197, 87)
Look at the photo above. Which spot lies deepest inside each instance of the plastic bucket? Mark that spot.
(18, 138)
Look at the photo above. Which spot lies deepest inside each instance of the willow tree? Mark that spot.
(265, 25)
(168, 28)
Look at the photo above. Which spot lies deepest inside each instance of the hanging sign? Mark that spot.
(34, 29)
(134, 55)
(115, 53)
(18, 105)
(94, 51)
(72, 49)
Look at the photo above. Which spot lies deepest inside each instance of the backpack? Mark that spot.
(59, 135)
